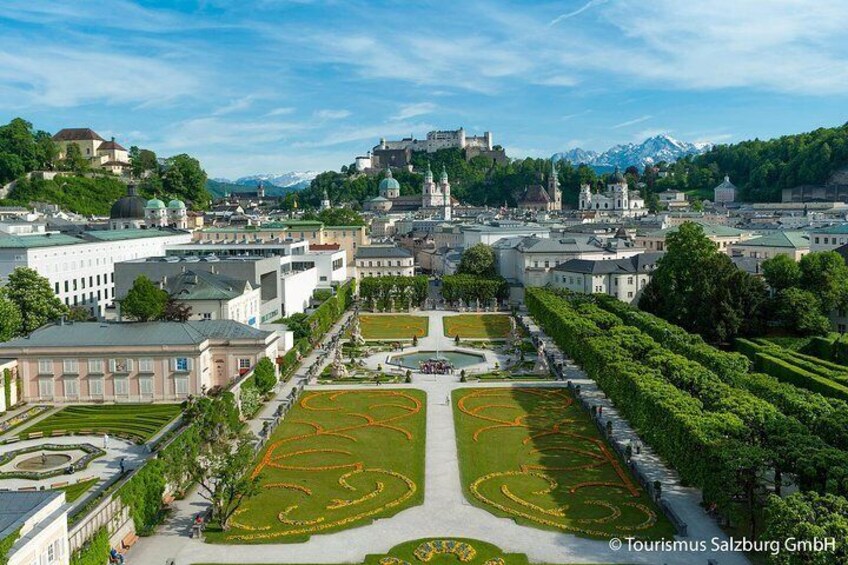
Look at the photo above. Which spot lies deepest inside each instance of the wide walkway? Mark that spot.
(445, 513)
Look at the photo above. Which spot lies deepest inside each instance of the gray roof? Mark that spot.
(203, 285)
(570, 243)
(381, 251)
(128, 334)
(17, 507)
(641, 263)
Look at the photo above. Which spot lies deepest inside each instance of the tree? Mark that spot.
(781, 272)
(74, 160)
(804, 517)
(825, 274)
(477, 260)
(79, 314)
(185, 179)
(697, 287)
(11, 167)
(264, 375)
(143, 161)
(799, 311)
(34, 298)
(10, 318)
(298, 324)
(175, 311)
(223, 472)
(144, 301)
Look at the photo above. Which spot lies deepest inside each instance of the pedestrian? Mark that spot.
(105, 441)
(447, 400)
(122, 465)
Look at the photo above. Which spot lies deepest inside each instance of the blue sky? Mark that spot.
(277, 85)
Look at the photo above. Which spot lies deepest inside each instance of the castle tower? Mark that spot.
(325, 201)
(260, 190)
(553, 189)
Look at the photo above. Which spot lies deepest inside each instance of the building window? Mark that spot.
(45, 388)
(145, 365)
(207, 315)
(120, 365)
(45, 366)
(181, 386)
(244, 364)
(72, 388)
(182, 365)
(95, 386)
(145, 386)
(70, 366)
(95, 366)
(122, 386)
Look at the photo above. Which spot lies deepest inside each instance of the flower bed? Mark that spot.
(533, 455)
(22, 418)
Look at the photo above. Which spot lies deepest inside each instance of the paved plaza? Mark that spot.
(445, 512)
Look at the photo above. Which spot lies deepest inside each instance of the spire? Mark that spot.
(388, 172)
(444, 176)
(428, 176)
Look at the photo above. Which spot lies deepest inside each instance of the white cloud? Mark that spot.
(283, 111)
(332, 114)
(237, 105)
(412, 110)
(632, 122)
(576, 12)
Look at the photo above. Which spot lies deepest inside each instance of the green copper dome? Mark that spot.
(176, 204)
(154, 203)
(389, 182)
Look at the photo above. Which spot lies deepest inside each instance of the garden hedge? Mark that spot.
(95, 551)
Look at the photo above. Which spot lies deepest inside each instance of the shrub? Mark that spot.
(95, 551)
(264, 376)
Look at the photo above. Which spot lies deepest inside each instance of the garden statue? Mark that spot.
(373, 304)
(541, 367)
(338, 369)
(477, 305)
(356, 332)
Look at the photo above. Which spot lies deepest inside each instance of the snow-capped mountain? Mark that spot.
(652, 150)
(294, 180)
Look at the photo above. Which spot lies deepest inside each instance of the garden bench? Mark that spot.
(28, 488)
(168, 501)
(58, 485)
(35, 435)
(128, 541)
(84, 479)
(55, 433)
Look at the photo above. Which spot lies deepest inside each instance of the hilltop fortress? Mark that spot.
(399, 153)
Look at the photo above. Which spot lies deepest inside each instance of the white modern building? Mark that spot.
(80, 268)
(39, 520)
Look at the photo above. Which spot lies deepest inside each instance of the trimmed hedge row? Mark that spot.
(832, 348)
(771, 359)
(674, 423)
(675, 338)
(767, 432)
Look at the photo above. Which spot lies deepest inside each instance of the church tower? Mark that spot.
(444, 187)
(325, 201)
(585, 197)
(554, 192)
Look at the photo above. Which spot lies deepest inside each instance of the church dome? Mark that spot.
(127, 208)
(389, 183)
(176, 205)
(154, 203)
(617, 177)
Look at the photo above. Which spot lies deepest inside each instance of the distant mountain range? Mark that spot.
(652, 150)
(275, 184)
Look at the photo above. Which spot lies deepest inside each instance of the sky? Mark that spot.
(253, 86)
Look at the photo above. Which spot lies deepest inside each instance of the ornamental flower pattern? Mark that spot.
(565, 461)
(323, 476)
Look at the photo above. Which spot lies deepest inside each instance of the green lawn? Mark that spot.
(137, 421)
(339, 460)
(393, 326)
(76, 490)
(531, 454)
(477, 326)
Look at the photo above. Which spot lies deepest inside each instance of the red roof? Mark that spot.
(110, 146)
(325, 247)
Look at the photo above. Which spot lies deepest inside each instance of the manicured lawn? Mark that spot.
(137, 421)
(339, 460)
(533, 455)
(477, 326)
(76, 490)
(393, 326)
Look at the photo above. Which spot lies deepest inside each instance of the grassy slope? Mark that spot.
(141, 421)
(317, 462)
(507, 447)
